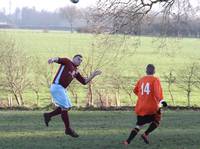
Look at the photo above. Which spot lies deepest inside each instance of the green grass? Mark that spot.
(176, 55)
(98, 130)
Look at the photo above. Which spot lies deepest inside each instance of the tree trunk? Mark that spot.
(188, 98)
(76, 99)
(38, 97)
(71, 27)
(117, 99)
(107, 101)
(17, 99)
(10, 101)
(90, 94)
(21, 98)
(100, 98)
(130, 98)
(170, 93)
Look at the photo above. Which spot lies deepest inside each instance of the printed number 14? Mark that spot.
(145, 88)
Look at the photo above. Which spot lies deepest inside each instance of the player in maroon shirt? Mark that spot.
(66, 73)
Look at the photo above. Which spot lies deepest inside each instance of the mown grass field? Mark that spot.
(98, 130)
(175, 55)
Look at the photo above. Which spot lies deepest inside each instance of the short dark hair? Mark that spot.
(79, 55)
(150, 69)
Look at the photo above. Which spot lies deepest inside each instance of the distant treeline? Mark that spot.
(74, 19)
(77, 20)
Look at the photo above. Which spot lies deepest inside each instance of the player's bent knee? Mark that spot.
(157, 123)
(66, 109)
(137, 126)
(136, 129)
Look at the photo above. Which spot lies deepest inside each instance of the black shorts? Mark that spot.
(141, 120)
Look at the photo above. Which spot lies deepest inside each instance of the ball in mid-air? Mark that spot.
(74, 1)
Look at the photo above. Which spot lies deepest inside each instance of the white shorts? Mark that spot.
(60, 96)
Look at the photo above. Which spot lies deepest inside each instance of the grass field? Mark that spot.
(98, 130)
(176, 54)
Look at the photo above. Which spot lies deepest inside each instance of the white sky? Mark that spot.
(49, 5)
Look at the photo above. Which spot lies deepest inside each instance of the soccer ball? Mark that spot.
(74, 1)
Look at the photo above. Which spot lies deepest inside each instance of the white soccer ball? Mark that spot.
(74, 1)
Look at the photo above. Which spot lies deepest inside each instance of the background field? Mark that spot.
(175, 54)
(98, 130)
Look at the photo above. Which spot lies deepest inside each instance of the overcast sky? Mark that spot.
(49, 5)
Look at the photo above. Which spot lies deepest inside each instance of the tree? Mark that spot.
(186, 79)
(45, 72)
(104, 97)
(122, 84)
(70, 13)
(170, 79)
(127, 16)
(87, 70)
(73, 90)
(117, 16)
(36, 81)
(116, 82)
(15, 68)
(104, 52)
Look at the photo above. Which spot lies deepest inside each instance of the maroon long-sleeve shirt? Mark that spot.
(66, 73)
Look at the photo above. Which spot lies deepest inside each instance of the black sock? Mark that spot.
(152, 127)
(132, 135)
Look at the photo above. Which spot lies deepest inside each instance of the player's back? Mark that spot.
(149, 92)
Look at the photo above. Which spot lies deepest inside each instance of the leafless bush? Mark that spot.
(43, 74)
(15, 68)
(170, 79)
(187, 79)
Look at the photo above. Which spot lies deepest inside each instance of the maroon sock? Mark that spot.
(65, 118)
(55, 112)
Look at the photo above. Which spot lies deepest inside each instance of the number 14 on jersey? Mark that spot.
(145, 88)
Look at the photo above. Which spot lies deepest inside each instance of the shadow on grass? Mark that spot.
(98, 130)
(99, 140)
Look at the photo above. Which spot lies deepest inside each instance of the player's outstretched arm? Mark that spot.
(52, 60)
(93, 74)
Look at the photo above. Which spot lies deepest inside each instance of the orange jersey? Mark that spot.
(149, 92)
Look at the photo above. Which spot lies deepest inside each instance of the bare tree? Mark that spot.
(87, 69)
(127, 87)
(104, 97)
(103, 54)
(186, 79)
(127, 16)
(176, 15)
(15, 69)
(46, 73)
(36, 81)
(119, 16)
(197, 77)
(73, 89)
(121, 84)
(116, 82)
(42, 76)
(70, 13)
(170, 79)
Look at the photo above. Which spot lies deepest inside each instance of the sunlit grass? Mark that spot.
(176, 55)
(97, 130)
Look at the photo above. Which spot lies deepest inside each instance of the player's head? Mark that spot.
(77, 59)
(150, 69)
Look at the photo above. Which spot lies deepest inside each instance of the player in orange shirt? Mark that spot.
(150, 98)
